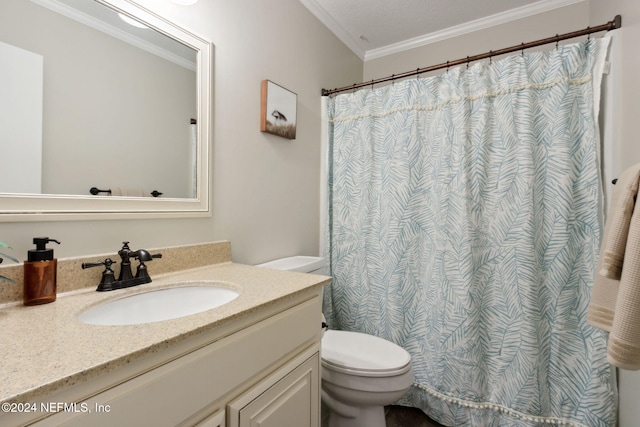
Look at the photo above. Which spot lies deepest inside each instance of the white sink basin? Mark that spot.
(157, 305)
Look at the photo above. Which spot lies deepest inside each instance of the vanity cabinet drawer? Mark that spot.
(193, 386)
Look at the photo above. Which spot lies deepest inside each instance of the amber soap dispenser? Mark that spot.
(40, 273)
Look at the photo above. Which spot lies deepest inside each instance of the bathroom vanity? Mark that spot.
(252, 361)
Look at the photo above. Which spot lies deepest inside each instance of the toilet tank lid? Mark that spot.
(305, 264)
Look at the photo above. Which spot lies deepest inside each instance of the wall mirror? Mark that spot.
(104, 113)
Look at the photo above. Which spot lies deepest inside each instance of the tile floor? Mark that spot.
(399, 416)
(402, 416)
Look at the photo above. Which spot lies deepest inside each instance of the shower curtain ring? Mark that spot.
(417, 73)
(522, 51)
(588, 34)
(557, 40)
(467, 62)
(490, 57)
(447, 66)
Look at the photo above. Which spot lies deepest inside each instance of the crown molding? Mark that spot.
(334, 27)
(469, 27)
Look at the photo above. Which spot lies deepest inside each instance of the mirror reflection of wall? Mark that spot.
(21, 79)
(114, 115)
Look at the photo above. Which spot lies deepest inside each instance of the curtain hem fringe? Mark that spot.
(499, 408)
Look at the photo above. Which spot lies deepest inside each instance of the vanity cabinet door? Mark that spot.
(289, 400)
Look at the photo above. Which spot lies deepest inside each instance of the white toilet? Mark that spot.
(360, 373)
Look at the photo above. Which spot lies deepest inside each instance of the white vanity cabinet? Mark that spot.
(262, 370)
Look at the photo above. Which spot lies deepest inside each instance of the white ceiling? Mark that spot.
(375, 28)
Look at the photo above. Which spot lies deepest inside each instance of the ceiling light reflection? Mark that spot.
(132, 21)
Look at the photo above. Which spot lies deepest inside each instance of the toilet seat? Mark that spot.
(363, 355)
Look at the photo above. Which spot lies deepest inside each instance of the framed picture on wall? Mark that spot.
(278, 110)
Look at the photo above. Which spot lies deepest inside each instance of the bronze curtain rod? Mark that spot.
(611, 25)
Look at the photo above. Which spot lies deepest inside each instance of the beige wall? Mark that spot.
(265, 189)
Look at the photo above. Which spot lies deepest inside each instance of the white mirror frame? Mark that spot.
(47, 207)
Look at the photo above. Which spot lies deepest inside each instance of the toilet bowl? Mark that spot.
(361, 373)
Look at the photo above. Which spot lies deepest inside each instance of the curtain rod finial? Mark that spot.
(617, 22)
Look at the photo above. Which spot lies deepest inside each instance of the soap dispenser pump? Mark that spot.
(40, 273)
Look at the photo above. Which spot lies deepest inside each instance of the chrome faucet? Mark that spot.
(126, 279)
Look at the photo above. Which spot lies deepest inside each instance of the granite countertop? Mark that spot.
(44, 348)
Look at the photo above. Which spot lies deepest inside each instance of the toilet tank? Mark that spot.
(304, 264)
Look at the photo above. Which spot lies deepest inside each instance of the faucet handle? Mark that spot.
(107, 263)
(141, 255)
(108, 276)
(142, 274)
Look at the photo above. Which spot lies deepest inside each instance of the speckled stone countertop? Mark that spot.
(44, 348)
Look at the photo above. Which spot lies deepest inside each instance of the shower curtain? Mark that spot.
(462, 223)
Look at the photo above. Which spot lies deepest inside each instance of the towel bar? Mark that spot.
(95, 191)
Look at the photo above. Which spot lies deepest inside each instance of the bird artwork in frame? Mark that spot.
(278, 110)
